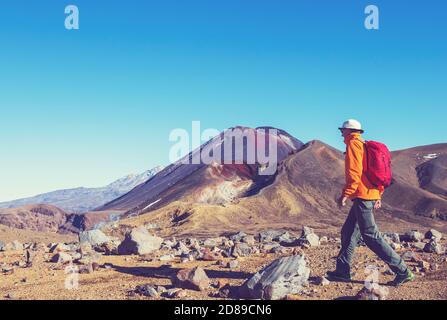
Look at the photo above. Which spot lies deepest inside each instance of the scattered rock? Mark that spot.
(233, 264)
(171, 293)
(309, 238)
(211, 243)
(391, 237)
(161, 289)
(268, 247)
(241, 249)
(227, 243)
(424, 265)
(194, 279)
(269, 235)
(168, 244)
(418, 245)
(324, 239)
(140, 242)
(322, 281)
(250, 240)
(147, 290)
(432, 233)
(7, 270)
(180, 294)
(372, 293)
(282, 277)
(16, 245)
(283, 237)
(187, 258)
(108, 248)
(412, 236)
(10, 296)
(94, 237)
(279, 250)
(181, 248)
(434, 247)
(208, 255)
(11, 246)
(410, 256)
(62, 258)
(238, 236)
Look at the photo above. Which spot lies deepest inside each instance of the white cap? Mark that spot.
(352, 124)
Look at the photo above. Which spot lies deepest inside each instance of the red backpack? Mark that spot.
(378, 164)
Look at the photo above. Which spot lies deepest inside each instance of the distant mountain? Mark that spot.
(219, 182)
(80, 200)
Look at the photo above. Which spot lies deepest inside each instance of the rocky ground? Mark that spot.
(144, 266)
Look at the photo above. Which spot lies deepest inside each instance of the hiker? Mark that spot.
(366, 197)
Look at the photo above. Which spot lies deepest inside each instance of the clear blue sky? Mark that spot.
(81, 108)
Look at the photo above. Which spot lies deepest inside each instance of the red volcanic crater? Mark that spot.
(238, 162)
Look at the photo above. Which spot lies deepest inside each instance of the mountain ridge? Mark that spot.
(84, 199)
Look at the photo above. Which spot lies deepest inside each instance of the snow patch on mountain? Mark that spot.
(80, 200)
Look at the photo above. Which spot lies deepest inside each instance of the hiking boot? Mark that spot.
(402, 278)
(338, 277)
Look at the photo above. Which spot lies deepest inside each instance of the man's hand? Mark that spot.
(342, 201)
(378, 204)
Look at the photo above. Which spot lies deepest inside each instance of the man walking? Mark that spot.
(360, 222)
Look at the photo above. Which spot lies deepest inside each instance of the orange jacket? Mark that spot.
(357, 185)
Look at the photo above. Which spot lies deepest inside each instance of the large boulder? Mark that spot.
(282, 277)
(194, 279)
(139, 241)
(94, 237)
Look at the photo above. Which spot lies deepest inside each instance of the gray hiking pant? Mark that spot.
(361, 221)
